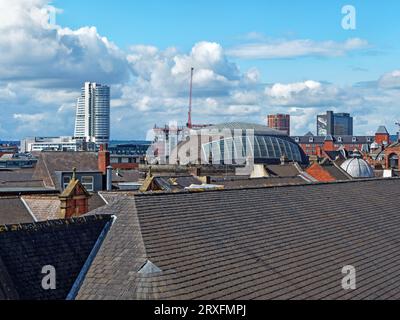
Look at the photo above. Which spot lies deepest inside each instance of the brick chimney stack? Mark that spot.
(103, 159)
(74, 201)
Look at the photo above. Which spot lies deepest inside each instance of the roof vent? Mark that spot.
(149, 268)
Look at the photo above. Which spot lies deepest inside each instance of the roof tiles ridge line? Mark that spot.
(155, 194)
(37, 226)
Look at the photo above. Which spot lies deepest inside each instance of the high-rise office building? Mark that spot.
(335, 124)
(279, 122)
(92, 122)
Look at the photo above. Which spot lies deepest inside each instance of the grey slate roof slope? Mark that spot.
(335, 171)
(287, 170)
(19, 178)
(382, 130)
(234, 183)
(110, 197)
(268, 243)
(50, 162)
(13, 211)
(26, 249)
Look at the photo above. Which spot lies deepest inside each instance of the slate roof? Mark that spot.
(19, 178)
(45, 207)
(26, 249)
(12, 211)
(42, 207)
(341, 154)
(50, 162)
(235, 183)
(335, 171)
(110, 197)
(169, 183)
(126, 176)
(266, 243)
(287, 170)
(382, 130)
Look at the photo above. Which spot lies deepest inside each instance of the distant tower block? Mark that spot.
(279, 122)
(92, 121)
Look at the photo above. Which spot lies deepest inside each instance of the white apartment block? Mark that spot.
(92, 122)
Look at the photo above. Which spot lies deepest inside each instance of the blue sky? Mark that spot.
(181, 23)
(251, 58)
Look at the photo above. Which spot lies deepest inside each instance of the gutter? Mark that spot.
(82, 274)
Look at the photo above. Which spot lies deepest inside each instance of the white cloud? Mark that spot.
(42, 68)
(296, 48)
(390, 80)
(34, 49)
(30, 118)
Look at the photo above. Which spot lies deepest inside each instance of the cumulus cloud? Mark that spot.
(296, 48)
(42, 67)
(32, 48)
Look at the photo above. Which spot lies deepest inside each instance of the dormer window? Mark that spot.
(340, 139)
(354, 139)
(297, 139)
(311, 140)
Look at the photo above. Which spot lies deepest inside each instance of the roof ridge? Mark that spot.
(363, 180)
(37, 226)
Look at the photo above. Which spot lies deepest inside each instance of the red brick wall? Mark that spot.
(380, 138)
(389, 152)
(76, 208)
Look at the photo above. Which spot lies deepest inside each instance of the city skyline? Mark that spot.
(243, 72)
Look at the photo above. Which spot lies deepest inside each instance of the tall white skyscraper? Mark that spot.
(93, 114)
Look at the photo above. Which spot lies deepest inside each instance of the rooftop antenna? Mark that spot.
(189, 124)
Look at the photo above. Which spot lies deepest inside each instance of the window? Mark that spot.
(394, 161)
(66, 181)
(311, 140)
(297, 139)
(88, 183)
(340, 139)
(354, 139)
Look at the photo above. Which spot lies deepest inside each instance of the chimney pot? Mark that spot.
(109, 178)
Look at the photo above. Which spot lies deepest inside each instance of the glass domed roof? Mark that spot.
(358, 168)
(269, 145)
